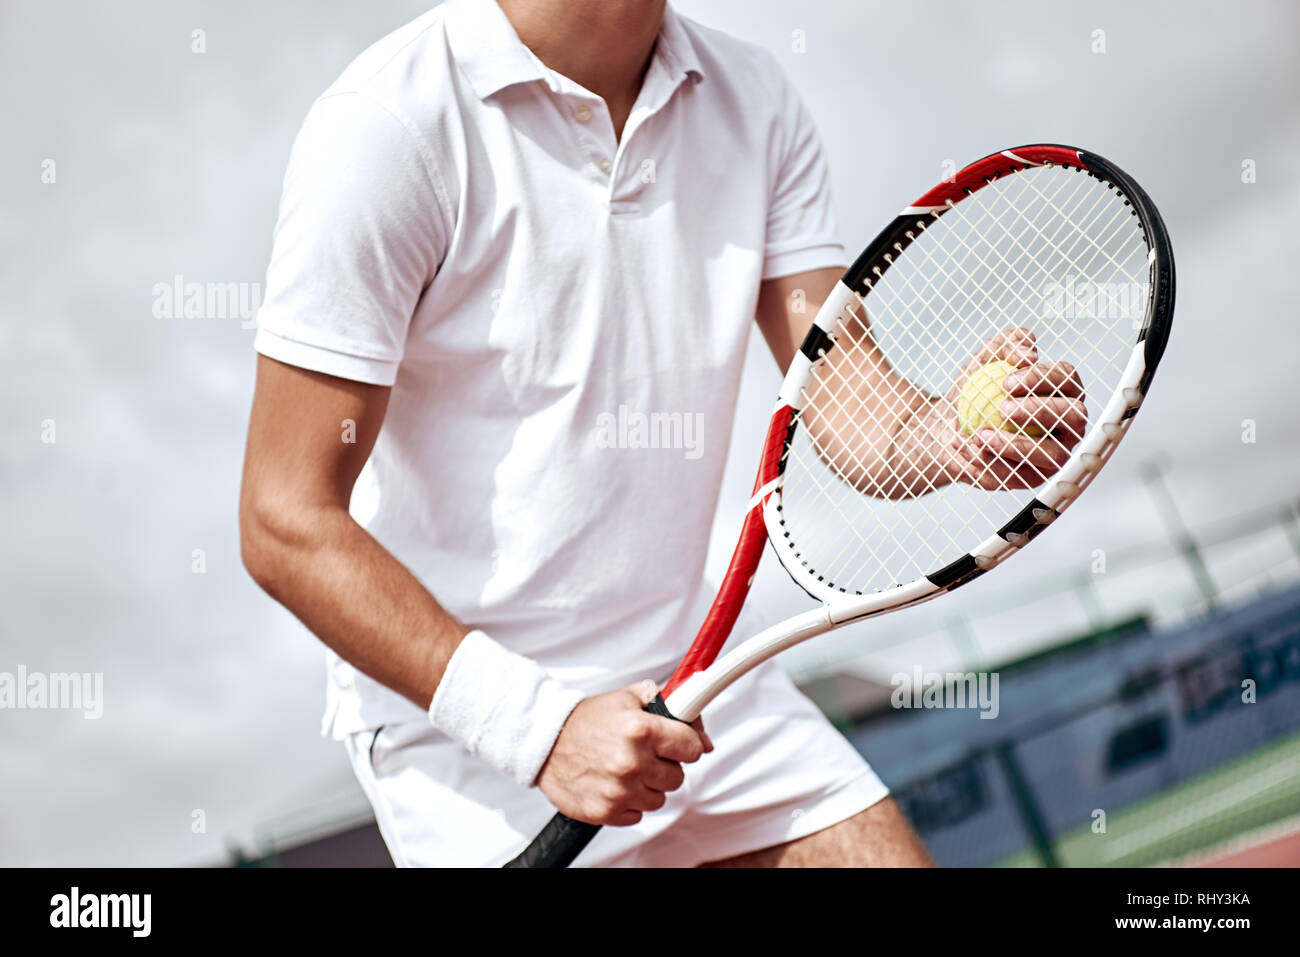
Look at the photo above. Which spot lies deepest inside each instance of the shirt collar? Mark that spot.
(675, 49)
(492, 56)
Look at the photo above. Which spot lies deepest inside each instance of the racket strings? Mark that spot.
(1032, 255)
(1105, 343)
(836, 454)
(875, 492)
(892, 478)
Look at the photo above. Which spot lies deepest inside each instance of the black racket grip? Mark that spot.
(563, 838)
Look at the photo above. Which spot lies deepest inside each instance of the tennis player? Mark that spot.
(506, 226)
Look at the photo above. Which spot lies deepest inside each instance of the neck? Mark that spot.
(605, 45)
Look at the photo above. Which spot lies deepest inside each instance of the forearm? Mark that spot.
(919, 459)
(881, 434)
(353, 595)
(873, 427)
(301, 545)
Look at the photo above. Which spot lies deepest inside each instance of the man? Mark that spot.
(503, 222)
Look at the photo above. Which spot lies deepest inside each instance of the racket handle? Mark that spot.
(563, 838)
(557, 844)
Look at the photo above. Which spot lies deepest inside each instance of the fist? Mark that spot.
(1042, 414)
(612, 761)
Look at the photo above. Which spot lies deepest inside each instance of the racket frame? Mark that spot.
(1045, 506)
(702, 675)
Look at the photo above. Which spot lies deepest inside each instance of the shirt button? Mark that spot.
(604, 165)
(582, 114)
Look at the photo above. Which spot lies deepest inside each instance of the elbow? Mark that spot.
(280, 536)
(258, 543)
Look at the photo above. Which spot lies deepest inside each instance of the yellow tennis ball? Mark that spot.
(980, 396)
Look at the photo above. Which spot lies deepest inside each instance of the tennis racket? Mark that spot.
(893, 469)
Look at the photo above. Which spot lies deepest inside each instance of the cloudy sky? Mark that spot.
(122, 434)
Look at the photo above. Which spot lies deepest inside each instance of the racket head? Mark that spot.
(1046, 238)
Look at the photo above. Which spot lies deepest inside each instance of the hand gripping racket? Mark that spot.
(895, 467)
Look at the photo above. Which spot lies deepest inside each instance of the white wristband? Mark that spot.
(503, 707)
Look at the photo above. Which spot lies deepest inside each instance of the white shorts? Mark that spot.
(779, 771)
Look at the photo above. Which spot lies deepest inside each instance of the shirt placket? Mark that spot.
(595, 132)
(611, 164)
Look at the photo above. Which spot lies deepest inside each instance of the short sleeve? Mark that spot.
(361, 231)
(801, 233)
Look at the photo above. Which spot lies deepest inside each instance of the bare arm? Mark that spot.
(893, 440)
(611, 761)
(301, 545)
(871, 460)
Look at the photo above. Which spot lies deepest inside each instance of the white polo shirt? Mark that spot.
(562, 319)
